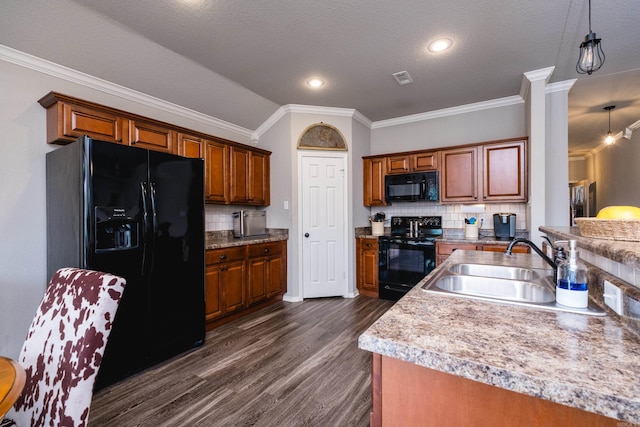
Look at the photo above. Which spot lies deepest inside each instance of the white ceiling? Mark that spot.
(270, 47)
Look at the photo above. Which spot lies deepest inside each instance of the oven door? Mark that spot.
(402, 264)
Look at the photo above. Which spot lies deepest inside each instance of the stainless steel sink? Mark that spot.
(501, 284)
(498, 271)
(502, 289)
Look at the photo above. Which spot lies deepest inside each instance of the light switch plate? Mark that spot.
(613, 297)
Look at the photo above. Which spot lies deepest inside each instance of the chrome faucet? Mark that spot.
(538, 251)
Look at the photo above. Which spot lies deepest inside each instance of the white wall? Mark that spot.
(617, 174)
(464, 128)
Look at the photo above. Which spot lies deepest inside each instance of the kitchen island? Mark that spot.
(452, 360)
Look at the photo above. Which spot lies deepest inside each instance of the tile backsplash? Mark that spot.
(453, 215)
(219, 217)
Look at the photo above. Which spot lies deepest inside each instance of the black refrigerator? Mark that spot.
(138, 214)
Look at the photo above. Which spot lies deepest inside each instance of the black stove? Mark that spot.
(407, 255)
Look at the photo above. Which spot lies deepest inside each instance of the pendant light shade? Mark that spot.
(591, 54)
(610, 139)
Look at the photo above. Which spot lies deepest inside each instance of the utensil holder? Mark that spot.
(377, 228)
(471, 231)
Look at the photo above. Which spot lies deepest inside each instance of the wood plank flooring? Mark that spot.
(290, 364)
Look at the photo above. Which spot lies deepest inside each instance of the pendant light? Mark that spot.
(591, 54)
(610, 139)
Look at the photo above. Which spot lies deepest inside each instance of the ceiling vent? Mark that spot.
(402, 77)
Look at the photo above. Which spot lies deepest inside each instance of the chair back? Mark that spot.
(64, 347)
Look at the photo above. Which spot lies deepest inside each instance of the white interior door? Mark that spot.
(323, 219)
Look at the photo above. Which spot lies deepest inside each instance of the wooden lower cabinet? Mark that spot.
(367, 266)
(242, 278)
(405, 394)
(267, 271)
(225, 289)
(443, 249)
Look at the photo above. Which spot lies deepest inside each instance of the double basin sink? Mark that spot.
(530, 287)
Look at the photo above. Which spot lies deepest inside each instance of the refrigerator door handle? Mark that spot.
(154, 220)
(145, 225)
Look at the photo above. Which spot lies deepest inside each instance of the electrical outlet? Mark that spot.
(613, 297)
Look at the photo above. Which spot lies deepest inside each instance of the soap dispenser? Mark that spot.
(571, 289)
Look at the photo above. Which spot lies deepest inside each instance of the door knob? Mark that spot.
(306, 234)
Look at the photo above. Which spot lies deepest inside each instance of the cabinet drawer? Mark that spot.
(448, 248)
(219, 256)
(265, 249)
(368, 243)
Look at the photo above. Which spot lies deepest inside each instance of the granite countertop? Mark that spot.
(225, 239)
(627, 253)
(581, 361)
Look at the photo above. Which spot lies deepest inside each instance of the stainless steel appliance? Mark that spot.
(407, 255)
(504, 226)
(138, 214)
(414, 187)
(249, 223)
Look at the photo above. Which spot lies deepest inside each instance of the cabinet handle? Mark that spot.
(369, 245)
(133, 142)
(223, 256)
(119, 140)
(266, 250)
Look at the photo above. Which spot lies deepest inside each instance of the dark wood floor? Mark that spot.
(290, 364)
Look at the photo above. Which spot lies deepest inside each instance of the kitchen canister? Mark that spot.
(377, 228)
(471, 231)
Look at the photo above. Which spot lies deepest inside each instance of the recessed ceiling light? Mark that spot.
(315, 83)
(440, 45)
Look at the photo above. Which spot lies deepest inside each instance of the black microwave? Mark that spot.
(411, 187)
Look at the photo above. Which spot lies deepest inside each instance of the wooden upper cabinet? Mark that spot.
(374, 171)
(407, 163)
(239, 175)
(399, 164)
(234, 173)
(216, 172)
(191, 146)
(425, 161)
(459, 175)
(67, 121)
(151, 136)
(505, 172)
(259, 179)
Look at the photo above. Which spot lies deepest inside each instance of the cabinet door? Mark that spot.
(76, 121)
(216, 172)
(257, 280)
(504, 170)
(459, 180)
(259, 179)
(425, 161)
(152, 137)
(276, 278)
(239, 175)
(374, 172)
(399, 164)
(191, 146)
(213, 293)
(369, 267)
(233, 286)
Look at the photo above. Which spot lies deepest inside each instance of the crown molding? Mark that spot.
(308, 109)
(461, 109)
(563, 86)
(59, 71)
(534, 76)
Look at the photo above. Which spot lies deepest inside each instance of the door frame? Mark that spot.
(345, 234)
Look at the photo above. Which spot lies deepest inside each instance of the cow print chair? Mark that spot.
(64, 347)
